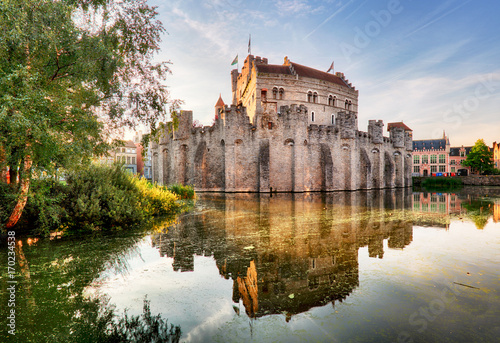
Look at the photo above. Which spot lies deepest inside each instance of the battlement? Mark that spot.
(376, 131)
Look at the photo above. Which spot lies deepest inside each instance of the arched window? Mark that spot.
(315, 97)
(334, 100)
(275, 93)
(281, 93)
(346, 104)
(312, 116)
(349, 106)
(330, 100)
(309, 96)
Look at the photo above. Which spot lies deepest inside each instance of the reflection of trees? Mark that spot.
(479, 210)
(52, 276)
(290, 252)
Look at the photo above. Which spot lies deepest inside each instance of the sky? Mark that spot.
(435, 65)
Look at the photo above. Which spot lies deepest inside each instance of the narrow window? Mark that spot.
(346, 106)
(309, 96)
(282, 93)
(333, 119)
(315, 97)
(312, 116)
(330, 100)
(275, 93)
(334, 100)
(263, 95)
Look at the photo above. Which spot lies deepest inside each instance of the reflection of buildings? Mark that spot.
(496, 211)
(290, 252)
(436, 208)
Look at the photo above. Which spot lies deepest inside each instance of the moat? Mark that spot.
(373, 266)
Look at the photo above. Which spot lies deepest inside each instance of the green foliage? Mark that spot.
(102, 198)
(96, 197)
(72, 71)
(185, 192)
(100, 323)
(155, 200)
(480, 158)
(45, 209)
(441, 183)
(479, 211)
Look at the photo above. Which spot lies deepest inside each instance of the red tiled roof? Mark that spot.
(399, 124)
(302, 71)
(273, 69)
(220, 102)
(318, 74)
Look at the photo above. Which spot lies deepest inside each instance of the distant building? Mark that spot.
(431, 156)
(126, 154)
(496, 154)
(457, 156)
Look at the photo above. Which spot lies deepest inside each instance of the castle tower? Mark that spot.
(376, 131)
(219, 106)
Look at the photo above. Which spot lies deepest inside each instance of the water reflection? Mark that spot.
(288, 253)
(438, 209)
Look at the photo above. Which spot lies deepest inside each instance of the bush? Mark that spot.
(185, 192)
(102, 197)
(155, 200)
(441, 182)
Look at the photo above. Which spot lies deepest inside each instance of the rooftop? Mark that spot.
(292, 68)
(430, 144)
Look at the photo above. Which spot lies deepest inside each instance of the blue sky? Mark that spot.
(433, 64)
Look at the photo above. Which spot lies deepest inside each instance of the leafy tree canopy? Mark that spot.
(480, 157)
(72, 71)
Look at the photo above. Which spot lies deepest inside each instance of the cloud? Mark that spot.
(431, 104)
(293, 7)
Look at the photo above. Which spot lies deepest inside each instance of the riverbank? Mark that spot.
(472, 180)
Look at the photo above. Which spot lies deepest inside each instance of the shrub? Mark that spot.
(155, 200)
(185, 192)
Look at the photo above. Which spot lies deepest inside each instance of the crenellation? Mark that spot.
(268, 139)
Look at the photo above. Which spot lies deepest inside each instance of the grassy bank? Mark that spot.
(94, 198)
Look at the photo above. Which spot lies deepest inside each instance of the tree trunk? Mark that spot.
(23, 194)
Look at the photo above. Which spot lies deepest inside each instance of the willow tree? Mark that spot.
(71, 72)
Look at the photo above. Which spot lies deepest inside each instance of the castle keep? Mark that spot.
(290, 128)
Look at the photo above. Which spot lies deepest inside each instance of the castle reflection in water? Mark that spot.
(287, 253)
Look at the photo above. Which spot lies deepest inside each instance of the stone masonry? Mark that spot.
(290, 128)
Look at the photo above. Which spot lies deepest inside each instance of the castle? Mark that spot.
(290, 128)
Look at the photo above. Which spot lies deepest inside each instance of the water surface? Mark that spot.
(377, 266)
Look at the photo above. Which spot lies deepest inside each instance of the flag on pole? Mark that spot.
(249, 44)
(331, 68)
(235, 60)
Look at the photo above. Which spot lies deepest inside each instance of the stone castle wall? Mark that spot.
(279, 151)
